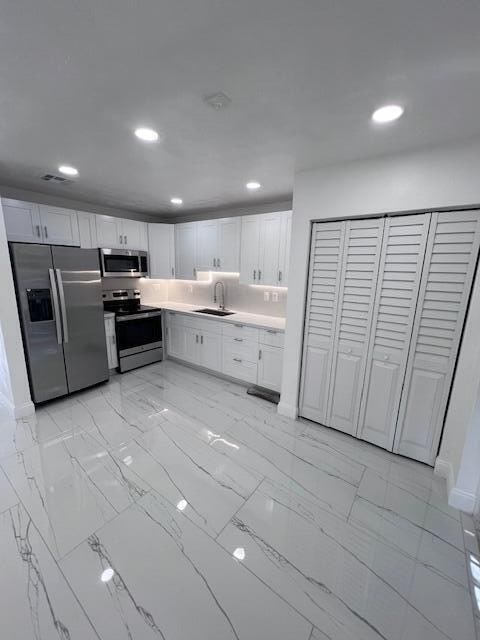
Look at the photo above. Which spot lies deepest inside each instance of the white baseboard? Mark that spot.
(457, 498)
(288, 410)
(462, 500)
(444, 469)
(24, 410)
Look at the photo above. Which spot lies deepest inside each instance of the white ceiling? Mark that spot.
(77, 76)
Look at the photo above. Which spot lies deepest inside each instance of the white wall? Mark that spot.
(14, 372)
(437, 178)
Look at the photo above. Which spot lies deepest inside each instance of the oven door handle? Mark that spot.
(139, 316)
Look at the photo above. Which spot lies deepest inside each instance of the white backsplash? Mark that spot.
(238, 296)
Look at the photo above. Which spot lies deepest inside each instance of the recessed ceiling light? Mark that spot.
(388, 113)
(107, 575)
(68, 170)
(147, 135)
(176, 200)
(253, 185)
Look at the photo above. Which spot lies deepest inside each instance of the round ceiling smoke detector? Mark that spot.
(217, 100)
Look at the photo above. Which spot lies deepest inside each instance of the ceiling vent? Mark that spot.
(217, 101)
(49, 177)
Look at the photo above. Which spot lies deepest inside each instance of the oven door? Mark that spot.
(121, 263)
(139, 332)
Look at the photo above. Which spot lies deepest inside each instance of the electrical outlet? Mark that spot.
(274, 296)
(266, 296)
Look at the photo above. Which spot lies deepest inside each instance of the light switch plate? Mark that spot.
(274, 296)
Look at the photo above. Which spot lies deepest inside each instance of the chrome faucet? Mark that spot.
(215, 297)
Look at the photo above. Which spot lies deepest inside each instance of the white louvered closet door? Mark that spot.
(450, 260)
(361, 256)
(324, 282)
(401, 264)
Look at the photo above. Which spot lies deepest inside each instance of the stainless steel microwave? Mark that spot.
(123, 263)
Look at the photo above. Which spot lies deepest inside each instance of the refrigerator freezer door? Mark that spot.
(80, 292)
(37, 305)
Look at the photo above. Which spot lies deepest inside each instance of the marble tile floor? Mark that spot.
(170, 505)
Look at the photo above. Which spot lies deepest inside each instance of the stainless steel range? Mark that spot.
(138, 328)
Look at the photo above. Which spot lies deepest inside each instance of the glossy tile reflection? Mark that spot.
(169, 504)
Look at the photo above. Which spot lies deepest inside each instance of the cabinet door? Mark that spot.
(207, 244)
(161, 250)
(363, 241)
(228, 255)
(211, 350)
(22, 221)
(60, 226)
(249, 249)
(285, 239)
(400, 269)
(192, 346)
(87, 229)
(326, 258)
(177, 341)
(271, 225)
(109, 232)
(270, 361)
(185, 251)
(449, 268)
(135, 235)
(110, 336)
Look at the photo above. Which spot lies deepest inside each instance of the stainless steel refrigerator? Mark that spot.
(59, 294)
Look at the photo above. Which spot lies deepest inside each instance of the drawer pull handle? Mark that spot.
(254, 274)
(272, 331)
(238, 339)
(260, 354)
(239, 326)
(237, 359)
(201, 339)
(196, 339)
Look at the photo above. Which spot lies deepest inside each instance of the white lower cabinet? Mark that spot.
(270, 367)
(236, 350)
(111, 339)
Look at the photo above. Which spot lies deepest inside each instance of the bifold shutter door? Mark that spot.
(449, 268)
(324, 282)
(401, 263)
(361, 256)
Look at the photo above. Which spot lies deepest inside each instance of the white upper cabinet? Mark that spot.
(22, 221)
(109, 232)
(87, 228)
(264, 255)
(135, 235)
(121, 233)
(207, 244)
(228, 254)
(250, 249)
(285, 239)
(218, 244)
(185, 251)
(161, 250)
(59, 226)
(269, 259)
(30, 222)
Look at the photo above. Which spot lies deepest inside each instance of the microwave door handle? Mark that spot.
(56, 310)
(63, 307)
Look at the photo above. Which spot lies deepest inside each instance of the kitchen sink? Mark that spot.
(215, 312)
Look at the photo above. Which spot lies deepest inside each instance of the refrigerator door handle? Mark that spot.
(56, 311)
(63, 307)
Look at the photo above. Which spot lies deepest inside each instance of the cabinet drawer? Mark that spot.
(237, 367)
(175, 319)
(272, 337)
(201, 324)
(241, 348)
(240, 331)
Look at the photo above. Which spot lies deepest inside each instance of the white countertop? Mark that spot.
(252, 319)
